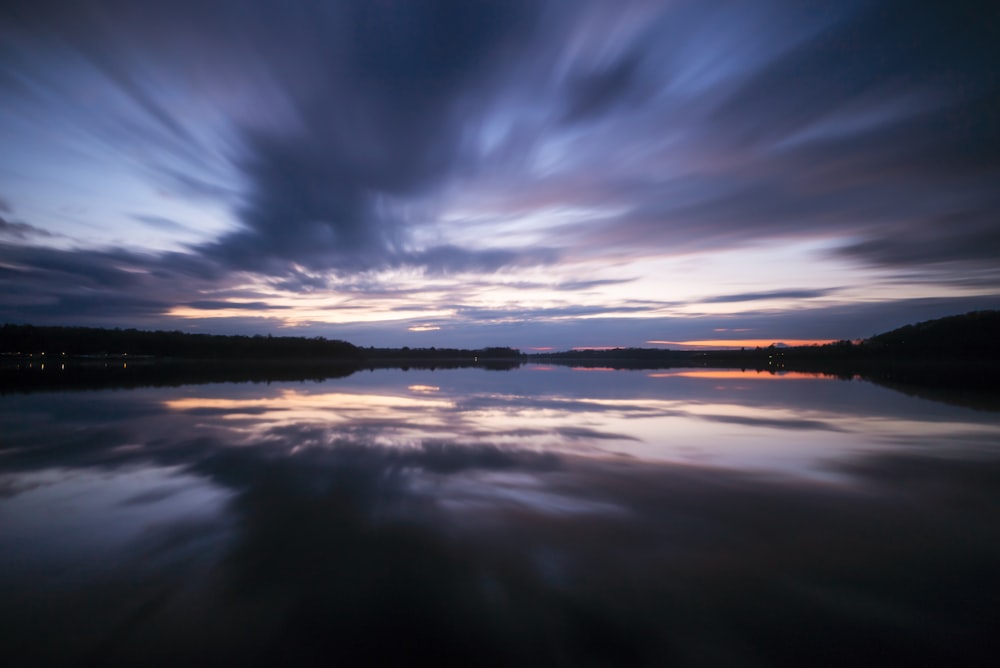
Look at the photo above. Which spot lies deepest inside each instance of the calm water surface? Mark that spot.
(542, 516)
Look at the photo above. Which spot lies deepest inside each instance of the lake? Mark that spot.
(536, 516)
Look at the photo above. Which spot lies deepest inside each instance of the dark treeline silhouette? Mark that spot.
(972, 336)
(24, 376)
(492, 357)
(27, 339)
(957, 352)
(46, 358)
(35, 374)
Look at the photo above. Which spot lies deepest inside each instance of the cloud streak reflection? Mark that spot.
(357, 521)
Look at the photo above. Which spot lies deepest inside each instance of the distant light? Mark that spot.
(423, 328)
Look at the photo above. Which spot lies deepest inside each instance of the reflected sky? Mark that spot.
(546, 515)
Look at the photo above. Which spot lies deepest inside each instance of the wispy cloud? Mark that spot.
(764, 296)
(21, 230)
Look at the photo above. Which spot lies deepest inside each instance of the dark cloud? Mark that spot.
(161, 223)
(480, 313)
(773, 294)
(881, 49)
(21, 230)
(116, 269)
(113, 287)
(867, 124)
(301, 282)
(972, 238)
(213, 304)
(379, 123)
(796, 424)
(447, 259)
(106, 309)
(377, 94)
(593, 283)
(561, 286)
(599, 91)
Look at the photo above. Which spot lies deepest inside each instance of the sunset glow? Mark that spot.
(742, 343)
(735, 374)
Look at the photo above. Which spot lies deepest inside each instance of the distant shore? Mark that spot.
(956, 353)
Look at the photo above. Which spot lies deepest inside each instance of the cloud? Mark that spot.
(110, 287)
(596, 92)
(213, 305)
(477, 313)
(162, 223)
(195, 187)
(376, 123)
(333, 141)
(776, 423)
(572, 286)
(971, 238)
(763, 296)
(452, 259)
(835, 128)
(367, 112)
(21, 230)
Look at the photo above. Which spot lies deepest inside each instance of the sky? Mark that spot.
(539, 174)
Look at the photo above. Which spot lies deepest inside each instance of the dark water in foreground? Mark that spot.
(531, 517)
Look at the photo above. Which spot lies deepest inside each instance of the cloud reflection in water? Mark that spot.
(499, 520)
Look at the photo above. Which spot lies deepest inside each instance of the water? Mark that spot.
(541, 516)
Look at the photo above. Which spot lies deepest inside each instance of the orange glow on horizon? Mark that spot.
(735, 374)
(744, 343)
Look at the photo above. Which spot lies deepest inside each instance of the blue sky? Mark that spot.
(535, 174)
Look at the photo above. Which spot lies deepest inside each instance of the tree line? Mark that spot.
(78, 341)
(97, 342)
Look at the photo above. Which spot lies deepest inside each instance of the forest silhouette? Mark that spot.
(956, 352)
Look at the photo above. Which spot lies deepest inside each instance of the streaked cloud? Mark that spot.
(762, 296)
(539, 172)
